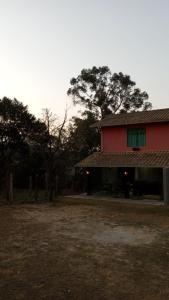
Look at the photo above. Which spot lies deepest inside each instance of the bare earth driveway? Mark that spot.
(84, 249)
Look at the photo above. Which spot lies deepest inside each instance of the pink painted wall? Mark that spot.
(114, 139)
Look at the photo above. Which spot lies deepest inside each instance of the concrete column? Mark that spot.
(136, 175)
(166, 185)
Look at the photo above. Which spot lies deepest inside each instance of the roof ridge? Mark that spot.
(131, 152)
(134, 112)
(156, 159)
(138, 117)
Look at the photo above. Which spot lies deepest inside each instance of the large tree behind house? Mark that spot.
(99, 90)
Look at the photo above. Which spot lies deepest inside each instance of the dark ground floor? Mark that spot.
(122, 182)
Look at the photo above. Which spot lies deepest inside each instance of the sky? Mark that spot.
(44, 43)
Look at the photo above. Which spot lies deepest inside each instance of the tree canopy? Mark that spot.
(30, 147)
(83, 140)
(99, 90)
(17, 125)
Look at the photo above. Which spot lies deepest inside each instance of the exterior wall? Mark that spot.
(149, 174)
(109, 176)
(114, 139)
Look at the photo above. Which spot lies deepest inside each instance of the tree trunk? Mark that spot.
(51, 193)
(56, 186)
(46, 186)
(36, 188)
(10, 188)
(30, 187)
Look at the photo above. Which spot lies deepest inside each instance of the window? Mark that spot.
(136, 137)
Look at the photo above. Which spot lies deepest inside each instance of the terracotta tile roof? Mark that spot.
(150, 116)
(126, 159)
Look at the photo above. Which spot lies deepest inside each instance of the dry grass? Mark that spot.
(82, 249)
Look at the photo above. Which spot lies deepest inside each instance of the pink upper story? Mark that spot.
(114, 139)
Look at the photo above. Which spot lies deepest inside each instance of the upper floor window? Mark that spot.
(136, 137)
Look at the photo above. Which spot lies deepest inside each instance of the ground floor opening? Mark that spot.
(122, 182)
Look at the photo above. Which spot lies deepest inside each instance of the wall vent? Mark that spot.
(136, 149)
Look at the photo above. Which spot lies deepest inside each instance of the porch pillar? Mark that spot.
(166, 185)
(136, 175)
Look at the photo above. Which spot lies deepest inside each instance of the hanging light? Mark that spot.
(125, 173)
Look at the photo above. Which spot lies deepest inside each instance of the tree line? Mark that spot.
(41, 153)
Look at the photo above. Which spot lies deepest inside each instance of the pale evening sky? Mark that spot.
(46, 42)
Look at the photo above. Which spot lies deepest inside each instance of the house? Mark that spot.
(134, 154)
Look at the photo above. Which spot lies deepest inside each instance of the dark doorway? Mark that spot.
(126, 176)
(95, 179)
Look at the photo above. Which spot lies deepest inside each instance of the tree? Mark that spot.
(20, 132)
(54, 156)
(17, 125)
(83, 140)
(99, 90)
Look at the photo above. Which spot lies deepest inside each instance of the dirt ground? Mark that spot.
(83, 249)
